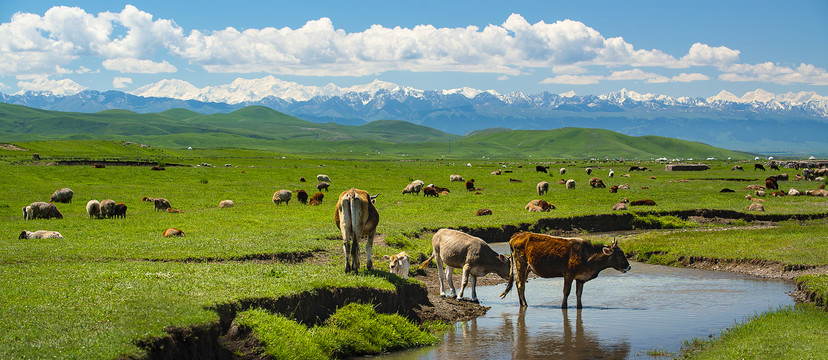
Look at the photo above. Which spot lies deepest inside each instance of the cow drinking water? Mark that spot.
(570, 258)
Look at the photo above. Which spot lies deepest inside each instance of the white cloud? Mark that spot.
(704, 55)
(138, 66)
(573, 79)
(770, 72)
(685, 77)
(57, 87)
(638, 74)
(121, 82)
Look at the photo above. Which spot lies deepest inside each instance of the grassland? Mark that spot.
(111, 283)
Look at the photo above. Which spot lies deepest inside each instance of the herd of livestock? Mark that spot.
(355, 215)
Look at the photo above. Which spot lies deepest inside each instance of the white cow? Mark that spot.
(357, 218)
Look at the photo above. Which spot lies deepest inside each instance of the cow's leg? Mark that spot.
(346, 248)
(449, 274)
(474, 288)
(567, 288)
(369, 247)
(521, 272)
(355, 253)
(440, 274)
(579, 289)
(464, 281)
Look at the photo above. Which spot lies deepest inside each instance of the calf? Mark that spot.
(570, 258)
(399, 264)
(460, 250)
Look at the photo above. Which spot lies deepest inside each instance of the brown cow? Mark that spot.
(570, 258)
(643, 202)
(356, 217)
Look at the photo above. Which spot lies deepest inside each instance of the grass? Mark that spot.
(112, 282)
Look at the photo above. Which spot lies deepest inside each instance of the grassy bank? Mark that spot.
(113, 282)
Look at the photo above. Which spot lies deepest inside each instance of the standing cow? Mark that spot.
(357, 218)
(570, 258)
(460, 250)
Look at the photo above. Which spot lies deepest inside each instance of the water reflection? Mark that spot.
(565, 344)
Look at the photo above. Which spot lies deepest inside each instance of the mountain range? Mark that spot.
(759, 121)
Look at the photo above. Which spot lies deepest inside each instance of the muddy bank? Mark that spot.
(753, 267)
(802, 294)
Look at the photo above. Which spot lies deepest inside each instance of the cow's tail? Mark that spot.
(355, 215)
(512, 270)
(425, 263)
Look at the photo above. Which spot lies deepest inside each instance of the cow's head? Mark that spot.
(399, 264)
(505, 266)
(617, 258)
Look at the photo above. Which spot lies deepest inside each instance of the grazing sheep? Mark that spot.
(807, 174)
(440, 190)
(613, 189)
(41, 210)
(819, 192)
(778, 193)
(496, 172)
(413, 188)
(455, 177)
(313, 202)
(570, 184)
(146, 198)
(399, 264)
(771, 184)
(820, 172)
(774, 167)
(63, 195)
(430, 191)
(120, 210)
(643, 202)
(541, 168)
(93, 208)
(781, 177)
(611, 173)
(318, 197)
(173, 232)
(483, 212)
(540, 204)
(174, 211)
(470, 185)
(40, 234)
(282, 196)
(561, 182)
(624, 187)
(588, 170)
(302, 196)
(322, 185)
(596, 183)
(302, 179)
(737, 167)
(621, 205)
(759, 192)
(798, 177)
(751, 198)
(755, 207)
(160, 204)
(543, 187)
(108, 208)
(323, 178)
(794, 192)
(758, 167)
(226, 204)
(562, 171)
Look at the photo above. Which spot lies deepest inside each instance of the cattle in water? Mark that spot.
(399, 264)
(357, 218)
(571, 258)
(540, 168)
(758, 167)
(472, 254)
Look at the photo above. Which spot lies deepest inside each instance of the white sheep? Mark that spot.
(570, 184)
(611, 173)
(323, 178)
(226, 203)
(41, 210)
(562, 171)
(282, 196)
(63, 195)
(93, 208)
(413, 188)
(543, 187)
(794, 192)
(455, 177)
(40, 234)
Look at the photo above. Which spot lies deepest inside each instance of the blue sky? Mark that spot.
(687, 48)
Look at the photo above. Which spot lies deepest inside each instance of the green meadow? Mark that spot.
(112, 283)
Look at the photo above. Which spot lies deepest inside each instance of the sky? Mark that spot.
(677, 48)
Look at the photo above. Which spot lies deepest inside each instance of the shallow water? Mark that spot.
(624, 315)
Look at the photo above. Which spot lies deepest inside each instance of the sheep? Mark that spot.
(643, 202)
(413, 188)
(40, 234)
(596, 183)
(613, 189)
(107, 208)
(570, 184)
(282, 196)
(758, 167)
(63, 195)
(621, 205)
(611, 173)
(588, 170)
(794, 192)
(820, 172)
(759, 192)
(737, 167)
(455, 177)
(322, 185)
(773, 166)
(313, 202)
(748, 197)
(323, 178)
(540, 204)
(778, 193)
(302, 196)
(542, 187)
(624, 187)
(318, 198)
(781, 177)
(754, 187)
(562, 171)
(771, 184)
(41, 210)
(120, 210)
(470, 185)
(819, 192)
(161, 204)
(541, 168)
(173, 232)
(226, 204)
(561, 182)
(755, 207)
(149, 199)
(430, 191)
(483, 212)
(302, 179)
(496, 172)
(93, 208)
(174, 211)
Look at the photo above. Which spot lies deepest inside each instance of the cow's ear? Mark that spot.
(607, 250)
(374, 198)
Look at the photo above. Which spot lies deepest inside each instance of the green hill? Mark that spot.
(262, 128)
